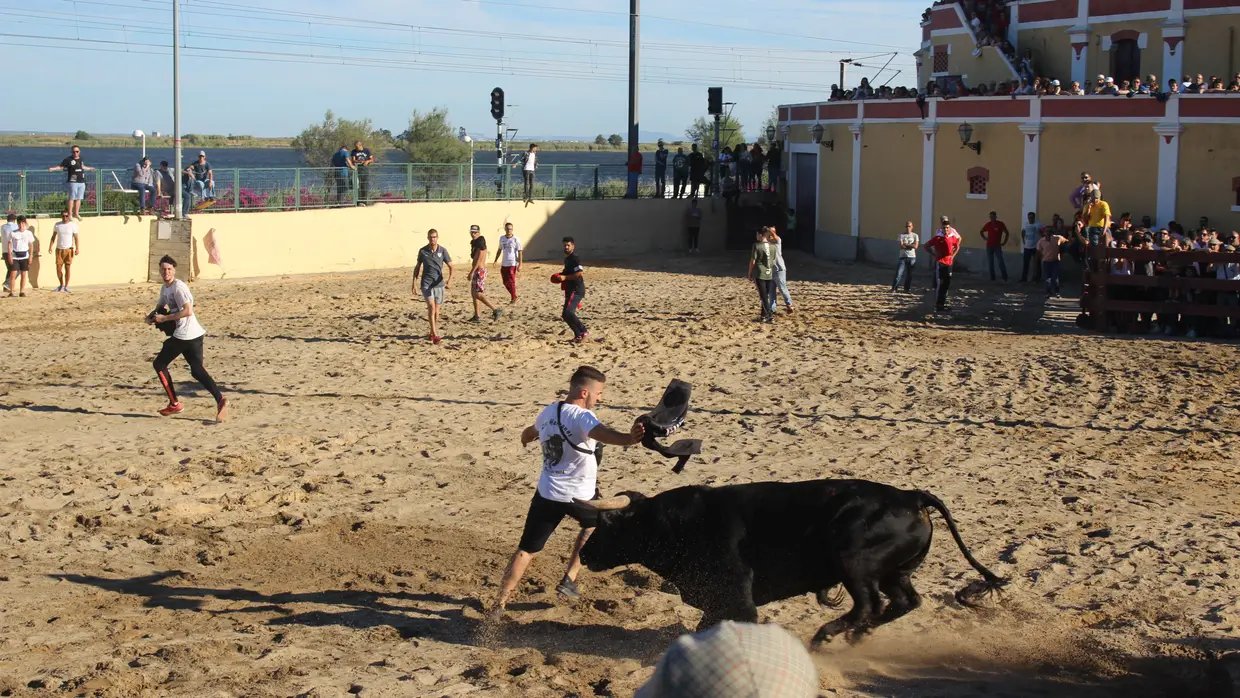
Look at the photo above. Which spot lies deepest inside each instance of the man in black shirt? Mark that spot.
(660, 171)
(75, 169)
(362, 160)
(572, 280)
(478, 273)
(697, 171)
(680, 173)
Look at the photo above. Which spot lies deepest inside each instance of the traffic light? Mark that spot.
(497, 104)
(714, 100)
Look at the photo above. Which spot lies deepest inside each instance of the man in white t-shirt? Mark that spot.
(570, 433)
(176, 305)
(1030, 236)
(5, 230)
(509, 255)
(20, 249)
(528, 167)
(65, 242)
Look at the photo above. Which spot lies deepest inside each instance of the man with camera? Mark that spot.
(571, 437)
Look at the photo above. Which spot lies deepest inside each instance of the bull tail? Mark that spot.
(991, 582)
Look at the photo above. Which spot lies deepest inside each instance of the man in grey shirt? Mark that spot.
(907, 258)
(431, 260)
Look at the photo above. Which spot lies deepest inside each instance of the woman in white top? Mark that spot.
(779, 270)
(176, 305)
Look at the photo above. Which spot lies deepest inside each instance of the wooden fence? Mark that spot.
(1098, 300)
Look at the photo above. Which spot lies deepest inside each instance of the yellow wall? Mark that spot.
(1209, 159)
(1122, 157)
(1099, 61)
(1052, 53)
(1003, 153)
(973, 69)
(835, 181)
(890, 179)
(1206, 44)
(384, 236)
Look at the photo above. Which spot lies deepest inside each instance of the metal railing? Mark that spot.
(34, 192)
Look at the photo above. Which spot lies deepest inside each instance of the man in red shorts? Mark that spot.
(478, 273)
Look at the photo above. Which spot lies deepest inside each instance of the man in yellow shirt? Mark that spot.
(1097, 225)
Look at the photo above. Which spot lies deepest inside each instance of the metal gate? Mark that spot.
(805, 200)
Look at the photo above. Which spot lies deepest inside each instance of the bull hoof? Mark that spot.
(820, 639)
(856, 636)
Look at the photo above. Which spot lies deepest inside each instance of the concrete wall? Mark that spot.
(891, 170)
(115, 249)
(834, 236)
(1099, 62)
(1052, 53)
(1122, 157)
(974, 70)
(1209, 161)
(1003, 154)
(1210, 46)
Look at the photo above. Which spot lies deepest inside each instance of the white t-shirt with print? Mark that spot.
(530, 159)
(509, 247)
(176, 297)
(575, 474)
(1033, 234)
(64, 235)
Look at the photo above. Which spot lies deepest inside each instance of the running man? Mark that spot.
(573, 281)
(430, 262)
(76, 171)
(176, 304)
(509, 255)
(570, 435)
(65, 242)
(478, 273)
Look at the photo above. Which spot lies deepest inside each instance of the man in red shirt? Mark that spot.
(635, 171)
(943, 247)
(995, 233)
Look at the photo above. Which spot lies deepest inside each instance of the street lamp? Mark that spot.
(966, 135)
(139, 134)
(817, 132)
(465, 138)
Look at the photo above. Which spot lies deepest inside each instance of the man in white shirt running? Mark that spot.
(509, 255)
(570, 434)
(65, 242)
(176, 305)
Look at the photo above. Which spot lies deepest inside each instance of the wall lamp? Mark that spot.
(966, 135)
(817, 132)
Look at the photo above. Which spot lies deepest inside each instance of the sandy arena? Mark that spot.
(339, 535)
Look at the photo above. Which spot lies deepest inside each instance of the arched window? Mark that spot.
(979, 178)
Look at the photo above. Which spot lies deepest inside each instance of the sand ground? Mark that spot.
(338, 534)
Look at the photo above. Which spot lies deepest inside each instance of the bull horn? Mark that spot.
(609, 504)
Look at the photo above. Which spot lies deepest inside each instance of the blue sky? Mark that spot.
(270, 67)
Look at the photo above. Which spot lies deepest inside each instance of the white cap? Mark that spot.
(202, 153)
(1110, 80)
(1055, 83)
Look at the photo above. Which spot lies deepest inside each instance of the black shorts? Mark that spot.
(543, 518)
(21, 264)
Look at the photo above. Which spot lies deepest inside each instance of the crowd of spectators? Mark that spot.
(1040, 86)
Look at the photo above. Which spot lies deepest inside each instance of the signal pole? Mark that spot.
(497, 113)
(177, 192)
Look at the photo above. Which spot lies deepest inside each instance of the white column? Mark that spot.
(1173, 51)
(1029, 182)
(1168, 169)
(1079, 36)
(928, 129)
(856, 130)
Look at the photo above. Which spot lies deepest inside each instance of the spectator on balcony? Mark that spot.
(164, 183)
(1235, 84)
(143, 179)
(864, 91)
(1075, 89)
(744, 166)
(697, 170)
(1139, 87)
(1109, 87)
(1054, 90)
(836, 93)
(1124, 89)
(1026, 64)
(76, 171)
(1216, 85)
(660, 170)
(1190, 86)
(1151, 82)
(635, 173)
(1025, 88)
(680, 173)
(1173, 87)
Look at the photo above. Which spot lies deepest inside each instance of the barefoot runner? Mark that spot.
(570, 433)
(478, 273)
(430, 261)
(176, 304)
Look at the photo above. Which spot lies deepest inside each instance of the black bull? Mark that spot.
(731, 549)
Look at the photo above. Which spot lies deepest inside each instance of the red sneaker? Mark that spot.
(173, 408)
